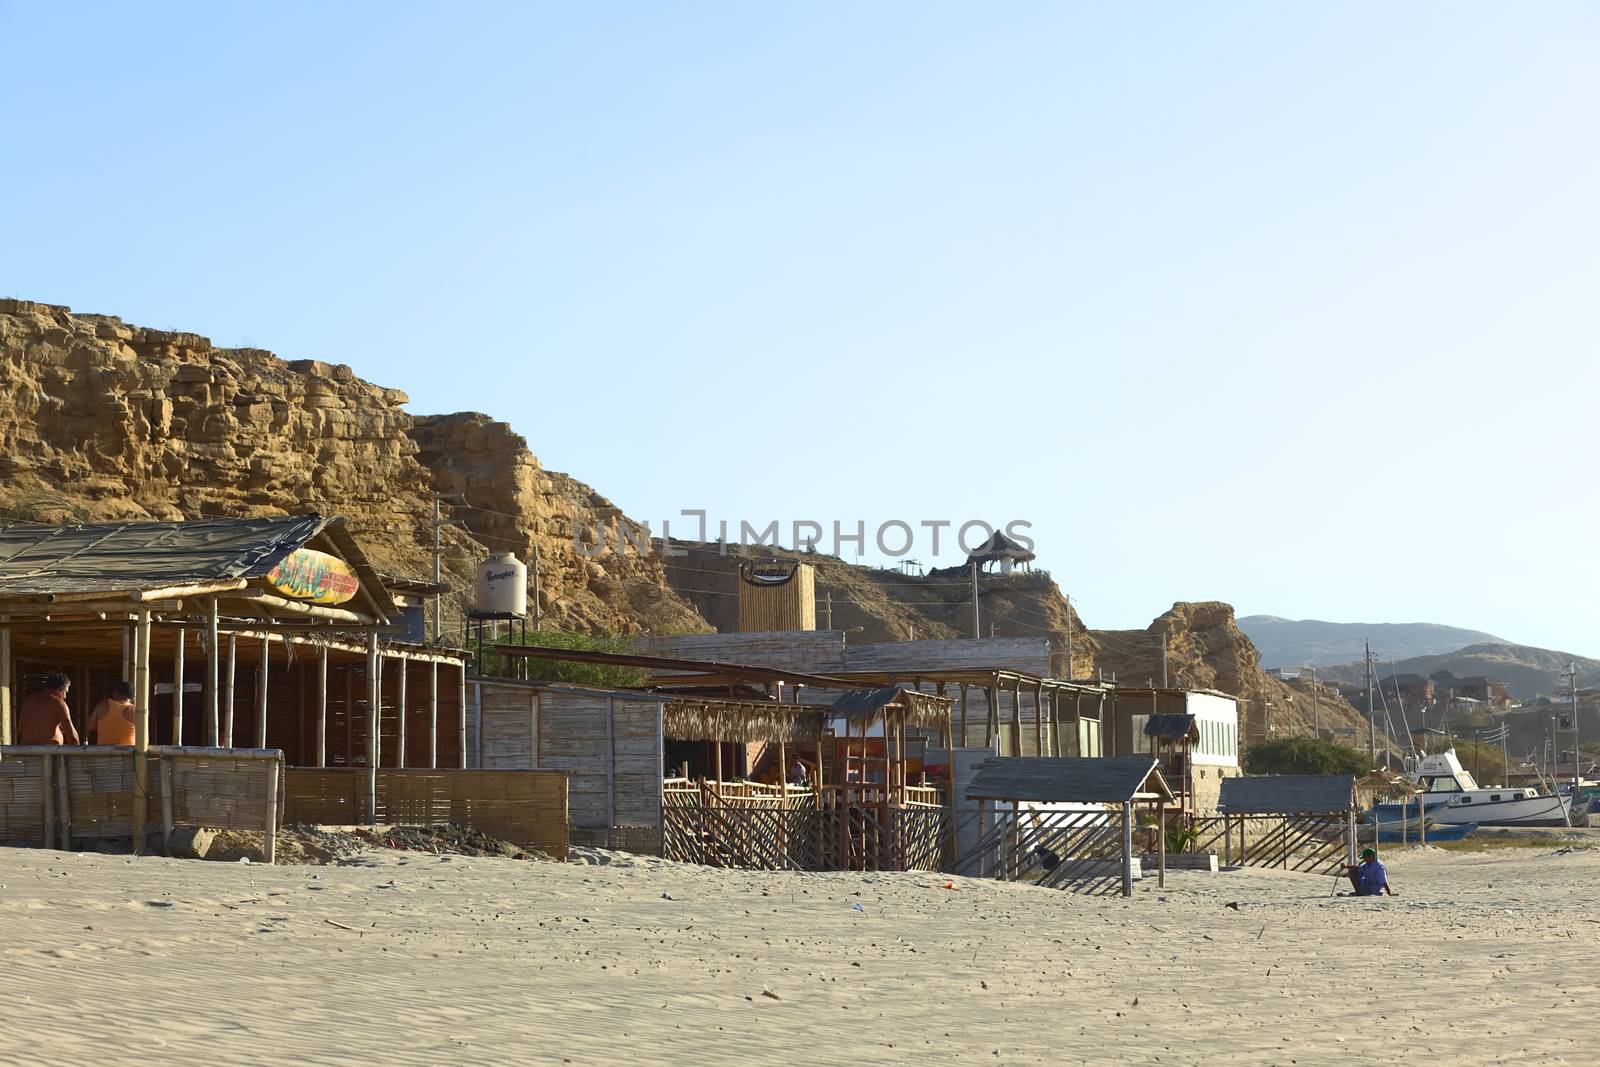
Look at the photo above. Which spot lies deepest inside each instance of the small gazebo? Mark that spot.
(1001, 550)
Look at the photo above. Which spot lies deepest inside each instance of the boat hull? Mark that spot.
(1460, 809)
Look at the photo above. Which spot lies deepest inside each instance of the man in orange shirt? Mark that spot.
(44, 718)
(112, 720)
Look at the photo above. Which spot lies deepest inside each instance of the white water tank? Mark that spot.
(502, 585)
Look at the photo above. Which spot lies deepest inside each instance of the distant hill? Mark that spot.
(1528, 671)
(1313, 643)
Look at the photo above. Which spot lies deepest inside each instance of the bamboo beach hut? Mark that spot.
(271, 634)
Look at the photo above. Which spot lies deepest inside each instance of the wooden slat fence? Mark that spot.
(525, 807)
(758, 826)
(1086, 847)
(1316, 844)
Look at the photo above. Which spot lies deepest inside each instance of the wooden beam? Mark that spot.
(227, 690)
(374, 695)
(213, 670)
(6, 733)
(322, 707)
(141, 730)
(177, 690)
(262, 671)
(178, 592)
(463, 705)
(310, 611)
(400, 705)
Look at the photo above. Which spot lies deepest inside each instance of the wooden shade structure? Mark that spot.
(131, 601)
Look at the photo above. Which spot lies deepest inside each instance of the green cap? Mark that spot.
(1369, 853)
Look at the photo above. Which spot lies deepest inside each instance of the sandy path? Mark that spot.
(1488, 958)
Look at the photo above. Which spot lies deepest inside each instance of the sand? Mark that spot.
(411, 958)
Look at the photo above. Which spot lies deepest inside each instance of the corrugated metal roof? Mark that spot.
(1287, 794)
(1170, 727)
(1082, 780)
(38, 560)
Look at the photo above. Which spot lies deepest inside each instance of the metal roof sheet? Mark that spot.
(41, 561)
(1084, 780)
(1287, 794)
(1170, 727)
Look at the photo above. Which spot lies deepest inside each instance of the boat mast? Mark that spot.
(1372, 730)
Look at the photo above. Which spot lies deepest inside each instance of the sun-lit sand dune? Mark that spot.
(411, 958)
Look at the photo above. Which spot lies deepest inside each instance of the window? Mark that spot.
(1466, 800)
(1493, 797)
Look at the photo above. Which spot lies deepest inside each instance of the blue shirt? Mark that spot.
(1371, 879)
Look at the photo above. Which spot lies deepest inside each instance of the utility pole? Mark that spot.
(1316, 709)
(1572, 687)
(1372, 729)
(1163, 661)
(1069, 638)
(827, 609)
(977, 628)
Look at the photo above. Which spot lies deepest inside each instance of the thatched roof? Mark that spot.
(860, 707)
(707, 719)
(999, 547)
(1384, 785)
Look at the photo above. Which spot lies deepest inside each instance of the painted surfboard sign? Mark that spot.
(307, 574)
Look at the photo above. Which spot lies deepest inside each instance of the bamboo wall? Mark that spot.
(790, 606)
(525, 807)
(92, 792)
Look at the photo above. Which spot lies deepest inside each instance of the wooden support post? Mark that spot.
(49, 791)
(1350, 836)
(991, 719)
(983, 832)
(1016, 718)
(963, 741)
(1161, 844)
(213, 670)
(272, 810)
(64, 801)
(1127, 848)
(1227, 840)
(227, 691)
(141, 730)
(261, 691)
(462, 700)
(166, 803)
(6, 733)
(1038, 719)
(1422, 822)
(818, 785)
(400, 703)
(177, 689)
(433, 715)
(373, 696)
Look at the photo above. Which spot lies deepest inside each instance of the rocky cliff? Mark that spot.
(103, 420)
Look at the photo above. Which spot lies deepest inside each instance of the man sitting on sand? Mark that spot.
(1369, 877)
(112, 720)
(43, 718)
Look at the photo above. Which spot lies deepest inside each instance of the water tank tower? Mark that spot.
(502, 586)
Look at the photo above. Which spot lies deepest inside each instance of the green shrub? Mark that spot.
(1304, 755)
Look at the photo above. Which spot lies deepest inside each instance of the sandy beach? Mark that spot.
(414, 958)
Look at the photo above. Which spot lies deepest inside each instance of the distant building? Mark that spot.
(1410, 690)
(1496, 694)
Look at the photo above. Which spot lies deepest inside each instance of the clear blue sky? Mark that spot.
(1293, 306)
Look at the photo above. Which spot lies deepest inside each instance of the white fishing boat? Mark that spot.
(1451, 795)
